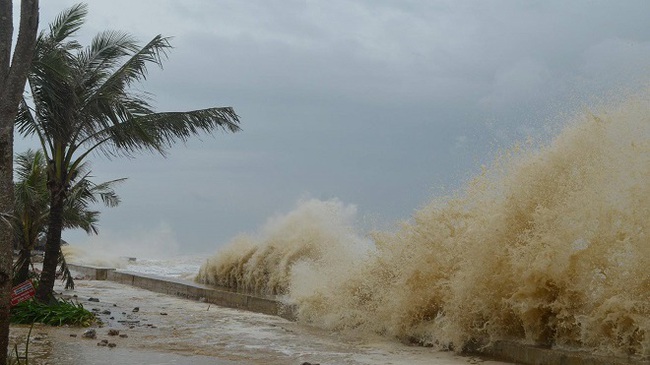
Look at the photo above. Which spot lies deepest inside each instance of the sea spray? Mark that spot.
(548, 246)
(78, 255)
(315, 233)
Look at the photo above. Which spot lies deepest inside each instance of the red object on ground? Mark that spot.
(22, 292)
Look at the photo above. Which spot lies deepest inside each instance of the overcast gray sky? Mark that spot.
(381, 104)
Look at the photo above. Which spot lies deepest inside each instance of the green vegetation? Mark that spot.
(83, 101)
(56, 313)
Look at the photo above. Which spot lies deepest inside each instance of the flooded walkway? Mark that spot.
(168, 330)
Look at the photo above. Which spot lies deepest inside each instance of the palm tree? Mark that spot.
(83, 102)
(31, 207)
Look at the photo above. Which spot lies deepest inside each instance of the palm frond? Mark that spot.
(111, 93)
(25, 122)
(105, 53)
(158, 131)
(68, 22)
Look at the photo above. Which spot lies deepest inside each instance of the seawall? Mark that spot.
(502, 350)
(190, 290)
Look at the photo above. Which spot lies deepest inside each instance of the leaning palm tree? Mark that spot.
(83, 103)
(31, 211)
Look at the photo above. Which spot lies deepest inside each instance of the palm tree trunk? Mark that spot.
(6, 234)
(52, 246)
(12, 84)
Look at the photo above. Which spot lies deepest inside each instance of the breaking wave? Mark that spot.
(547, 246)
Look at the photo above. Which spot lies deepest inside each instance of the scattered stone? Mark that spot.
(101, 344)
(309, 363)
(124, 313)
(131, 327)
(154, 327)
(124, 335)
(113, 332)
(93, 299)
(114, 305)
(73, 335)
(91, 333)
(136, 309)
(95, 309)
(163, 313)
(106, 312)
(129, 322)
(111, 345)
(112, 318)
(74, 295)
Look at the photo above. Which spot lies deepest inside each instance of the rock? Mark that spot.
(93, 299)
(73, 335)
(111, 345)
(128, 322)
(91, 333)
(95, 309)
(112, 318)
(124, 335)
(106, 312)
(101, 344)
(114, 305)
(163, 313)
(136, 309)
(113, 332)
(309, 363)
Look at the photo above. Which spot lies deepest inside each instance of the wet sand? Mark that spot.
(169, 330)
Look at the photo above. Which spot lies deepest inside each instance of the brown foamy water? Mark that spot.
(547, 246)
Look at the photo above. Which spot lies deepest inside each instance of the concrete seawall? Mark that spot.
(502, 350)
(190, 290)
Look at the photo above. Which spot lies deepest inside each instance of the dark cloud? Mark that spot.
(381, 104)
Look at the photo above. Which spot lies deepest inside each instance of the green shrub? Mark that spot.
(58, 313)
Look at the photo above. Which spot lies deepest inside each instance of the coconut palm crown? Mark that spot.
(83, 101)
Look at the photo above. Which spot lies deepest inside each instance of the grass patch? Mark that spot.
(58, 313)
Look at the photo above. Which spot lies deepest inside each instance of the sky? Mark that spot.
(380, 104)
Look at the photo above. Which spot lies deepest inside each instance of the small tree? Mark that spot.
(31, 208)
(83, 103)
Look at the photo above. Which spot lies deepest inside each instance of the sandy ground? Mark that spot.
(169, 330)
